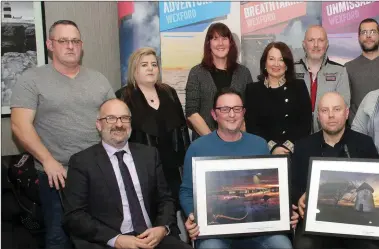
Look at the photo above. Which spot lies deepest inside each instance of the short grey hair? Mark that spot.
(62, 22)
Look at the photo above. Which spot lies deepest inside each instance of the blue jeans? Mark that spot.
(55, 237)
(258, 242)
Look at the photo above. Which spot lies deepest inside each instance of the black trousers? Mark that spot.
(172, 242)
(310, 241)
(173, 180)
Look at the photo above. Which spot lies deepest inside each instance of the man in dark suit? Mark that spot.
(334, 140)
(116, 194)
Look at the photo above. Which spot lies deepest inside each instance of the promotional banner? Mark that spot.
(341, 22)
(344, 17)
(178, 14)
(138, 28)
(176, 29)
(125, 11)
(265, 22)
(182, 41)
(260, 15)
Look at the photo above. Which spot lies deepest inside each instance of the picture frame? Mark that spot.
(342, 198)
(236, 196)
(23, 44)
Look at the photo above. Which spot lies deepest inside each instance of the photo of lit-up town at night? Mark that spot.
(241, 196)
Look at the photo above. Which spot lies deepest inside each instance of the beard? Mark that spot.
(334, 132)
(367, 49)
(119, 140)
(118, 129)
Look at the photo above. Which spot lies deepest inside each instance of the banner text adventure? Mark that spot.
(173, 14)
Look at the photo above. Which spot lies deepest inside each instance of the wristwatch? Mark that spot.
(168, 231)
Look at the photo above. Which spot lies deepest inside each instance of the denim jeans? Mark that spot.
(55, 237)
(258, 242)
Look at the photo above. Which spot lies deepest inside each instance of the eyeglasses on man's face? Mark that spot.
(226, 109)
(66, 42)
(113, 119)
(371, 32)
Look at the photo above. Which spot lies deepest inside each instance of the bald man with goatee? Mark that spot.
(333, 140)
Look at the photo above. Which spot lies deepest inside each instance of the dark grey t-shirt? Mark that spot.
(364, 78)
(66, 109)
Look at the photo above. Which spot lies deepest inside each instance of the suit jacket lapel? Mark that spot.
(139, 164)
(109, 175)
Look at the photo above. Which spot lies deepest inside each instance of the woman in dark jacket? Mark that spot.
(278, 107)
(157, 114)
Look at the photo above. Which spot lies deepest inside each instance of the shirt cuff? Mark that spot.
(271, 145)
(168, 230)
(289, 145)
(112, 241)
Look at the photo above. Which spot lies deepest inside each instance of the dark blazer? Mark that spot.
(278, 114)
(358, 144)
(92, 202)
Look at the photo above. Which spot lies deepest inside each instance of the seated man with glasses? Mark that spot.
(114, 119)
(116, 194)
(227, 140)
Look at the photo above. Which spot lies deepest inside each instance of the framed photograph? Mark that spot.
(22, 44)
(237, 196)
(343, 197)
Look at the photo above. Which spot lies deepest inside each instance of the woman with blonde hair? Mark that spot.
(157, 115)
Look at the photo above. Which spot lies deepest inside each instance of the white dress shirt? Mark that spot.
(126, 225)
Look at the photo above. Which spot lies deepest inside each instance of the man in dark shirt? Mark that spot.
(334, 140)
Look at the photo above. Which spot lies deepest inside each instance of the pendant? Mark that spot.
(152, 100)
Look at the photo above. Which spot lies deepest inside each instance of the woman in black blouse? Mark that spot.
(157, 115)
(278, 107)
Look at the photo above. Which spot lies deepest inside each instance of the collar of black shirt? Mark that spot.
(338, 149)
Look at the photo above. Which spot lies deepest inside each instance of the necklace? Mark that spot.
(152, 99)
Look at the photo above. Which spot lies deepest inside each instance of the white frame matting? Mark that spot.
(335, 228)
(201, 165)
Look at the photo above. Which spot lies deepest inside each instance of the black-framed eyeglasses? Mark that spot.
(75, 42)
(114, 119)
(368, 32)
(226, 109)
